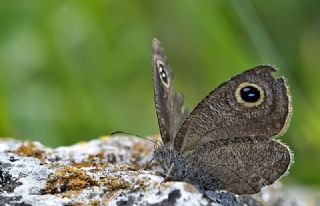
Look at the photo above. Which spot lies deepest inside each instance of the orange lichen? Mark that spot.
(68, 180)
(28, 149)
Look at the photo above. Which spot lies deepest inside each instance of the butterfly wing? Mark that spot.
(239, 165)
(168, 102)
(251, 104)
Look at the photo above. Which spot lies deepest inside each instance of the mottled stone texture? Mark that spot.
(105, 171)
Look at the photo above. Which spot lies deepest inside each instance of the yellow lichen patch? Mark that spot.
(97, 161)
(91, 203)
(100, 155)
(67, 181)
(90, 164)
(28, 149)
(123, 167)
(104, 138)
(156, 184)
(82, 142)
(114, 183)
(94, 203)
(142, 184)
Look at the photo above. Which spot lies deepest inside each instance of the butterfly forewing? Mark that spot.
(223, 114)
(168, 102)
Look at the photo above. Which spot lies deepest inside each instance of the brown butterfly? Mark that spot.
(228, 141)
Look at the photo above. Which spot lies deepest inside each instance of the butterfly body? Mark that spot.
(227, 142)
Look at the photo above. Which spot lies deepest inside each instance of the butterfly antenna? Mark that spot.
(133, 135)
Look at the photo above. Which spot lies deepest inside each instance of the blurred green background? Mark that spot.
(75, 70)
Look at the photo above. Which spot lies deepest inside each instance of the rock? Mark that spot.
(105, 171)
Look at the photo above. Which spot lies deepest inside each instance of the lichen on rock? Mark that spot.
(104, 171)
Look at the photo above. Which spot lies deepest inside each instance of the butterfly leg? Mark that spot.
(168, 175)
(161, 164)
(162, 174)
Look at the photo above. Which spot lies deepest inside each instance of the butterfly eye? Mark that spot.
(249, 94)
(163, 73)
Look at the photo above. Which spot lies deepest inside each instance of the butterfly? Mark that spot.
(228, 141)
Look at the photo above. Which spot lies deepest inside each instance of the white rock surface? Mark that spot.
(105, 171)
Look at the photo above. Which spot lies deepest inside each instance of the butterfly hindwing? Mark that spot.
(239, 165)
